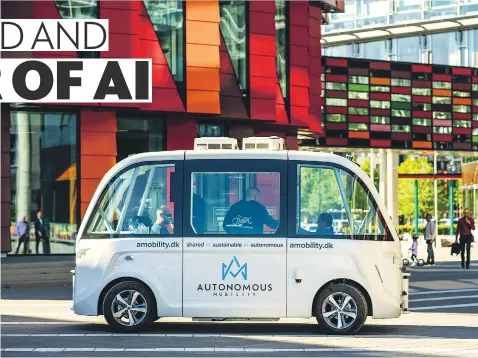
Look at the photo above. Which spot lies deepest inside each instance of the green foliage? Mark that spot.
(410, 229)
(376, 175)
(319, 193)
(406, 191)
(406, 188)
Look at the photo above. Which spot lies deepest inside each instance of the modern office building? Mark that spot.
(443, 32)
(426, 32)
(232, 68)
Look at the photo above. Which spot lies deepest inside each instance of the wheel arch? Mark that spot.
(347, 281)
(123, 279)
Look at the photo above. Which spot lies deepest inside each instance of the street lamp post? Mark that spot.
(416, 206)
(450, 202)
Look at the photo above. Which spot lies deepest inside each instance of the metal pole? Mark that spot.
(450, 202)
(435, 182)
(416, 206)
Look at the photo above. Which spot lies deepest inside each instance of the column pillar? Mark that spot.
(383, 176)
(392, 186)
(6, 197)
(24, 190)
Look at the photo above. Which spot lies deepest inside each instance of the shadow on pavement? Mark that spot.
(232, 328)
(54, 293)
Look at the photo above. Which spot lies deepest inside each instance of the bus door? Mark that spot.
(234, 238)
(135, 231)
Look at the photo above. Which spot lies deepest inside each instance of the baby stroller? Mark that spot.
(409, 260)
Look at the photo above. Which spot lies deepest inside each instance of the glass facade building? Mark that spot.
(449, 43)
(44, 172)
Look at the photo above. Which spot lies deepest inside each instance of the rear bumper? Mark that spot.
(405, 291)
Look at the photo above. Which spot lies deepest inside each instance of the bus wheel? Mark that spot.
(128, 306)
(341, 309)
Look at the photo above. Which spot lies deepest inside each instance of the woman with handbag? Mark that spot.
(464, 227)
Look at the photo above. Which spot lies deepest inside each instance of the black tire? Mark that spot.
(124, 286)
(358, 303)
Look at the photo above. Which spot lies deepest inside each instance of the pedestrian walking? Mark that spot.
(430, 237)
(22, 232)
(41, 234)
(464, 227)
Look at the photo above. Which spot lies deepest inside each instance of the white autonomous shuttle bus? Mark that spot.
(215, 233)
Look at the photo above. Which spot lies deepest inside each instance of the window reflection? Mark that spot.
(281, 44)
(409, 49)
(77, 9)
(444, 50)
(234, 31)
(44, 178)
(235, 203)
(333, 203)
(138, 135)
(374, 7)
(136, 202)
(375, 50)
(167, 17)
(406, 5)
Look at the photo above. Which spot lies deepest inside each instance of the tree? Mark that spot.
(406, 188)
(319, 192)
(366, 168)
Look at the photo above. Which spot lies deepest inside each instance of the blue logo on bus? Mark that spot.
(234, 269)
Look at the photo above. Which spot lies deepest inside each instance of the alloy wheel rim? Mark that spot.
(339, 310)
(129, 308)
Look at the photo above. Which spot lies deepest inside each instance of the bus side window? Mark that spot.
(320, 209)
(332, 202)
(136, 202)
(235, 203)
(367, 222)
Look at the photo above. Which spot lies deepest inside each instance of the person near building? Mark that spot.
(464, 227)
(430, 237)
(41, 234)
(22, 232)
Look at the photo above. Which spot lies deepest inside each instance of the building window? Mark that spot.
(376, 50)
(138, 135)
(406, 5)
(281, 44)
(78, 9)
(44, 178)
(409, 49)
(444, 49)
(372, 8)
(472, 39)
(211, 130)
(167, 17)
(234, 31)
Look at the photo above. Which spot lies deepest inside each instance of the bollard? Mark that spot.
(405, 284)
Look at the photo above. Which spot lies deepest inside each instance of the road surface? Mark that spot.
(443, 322)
